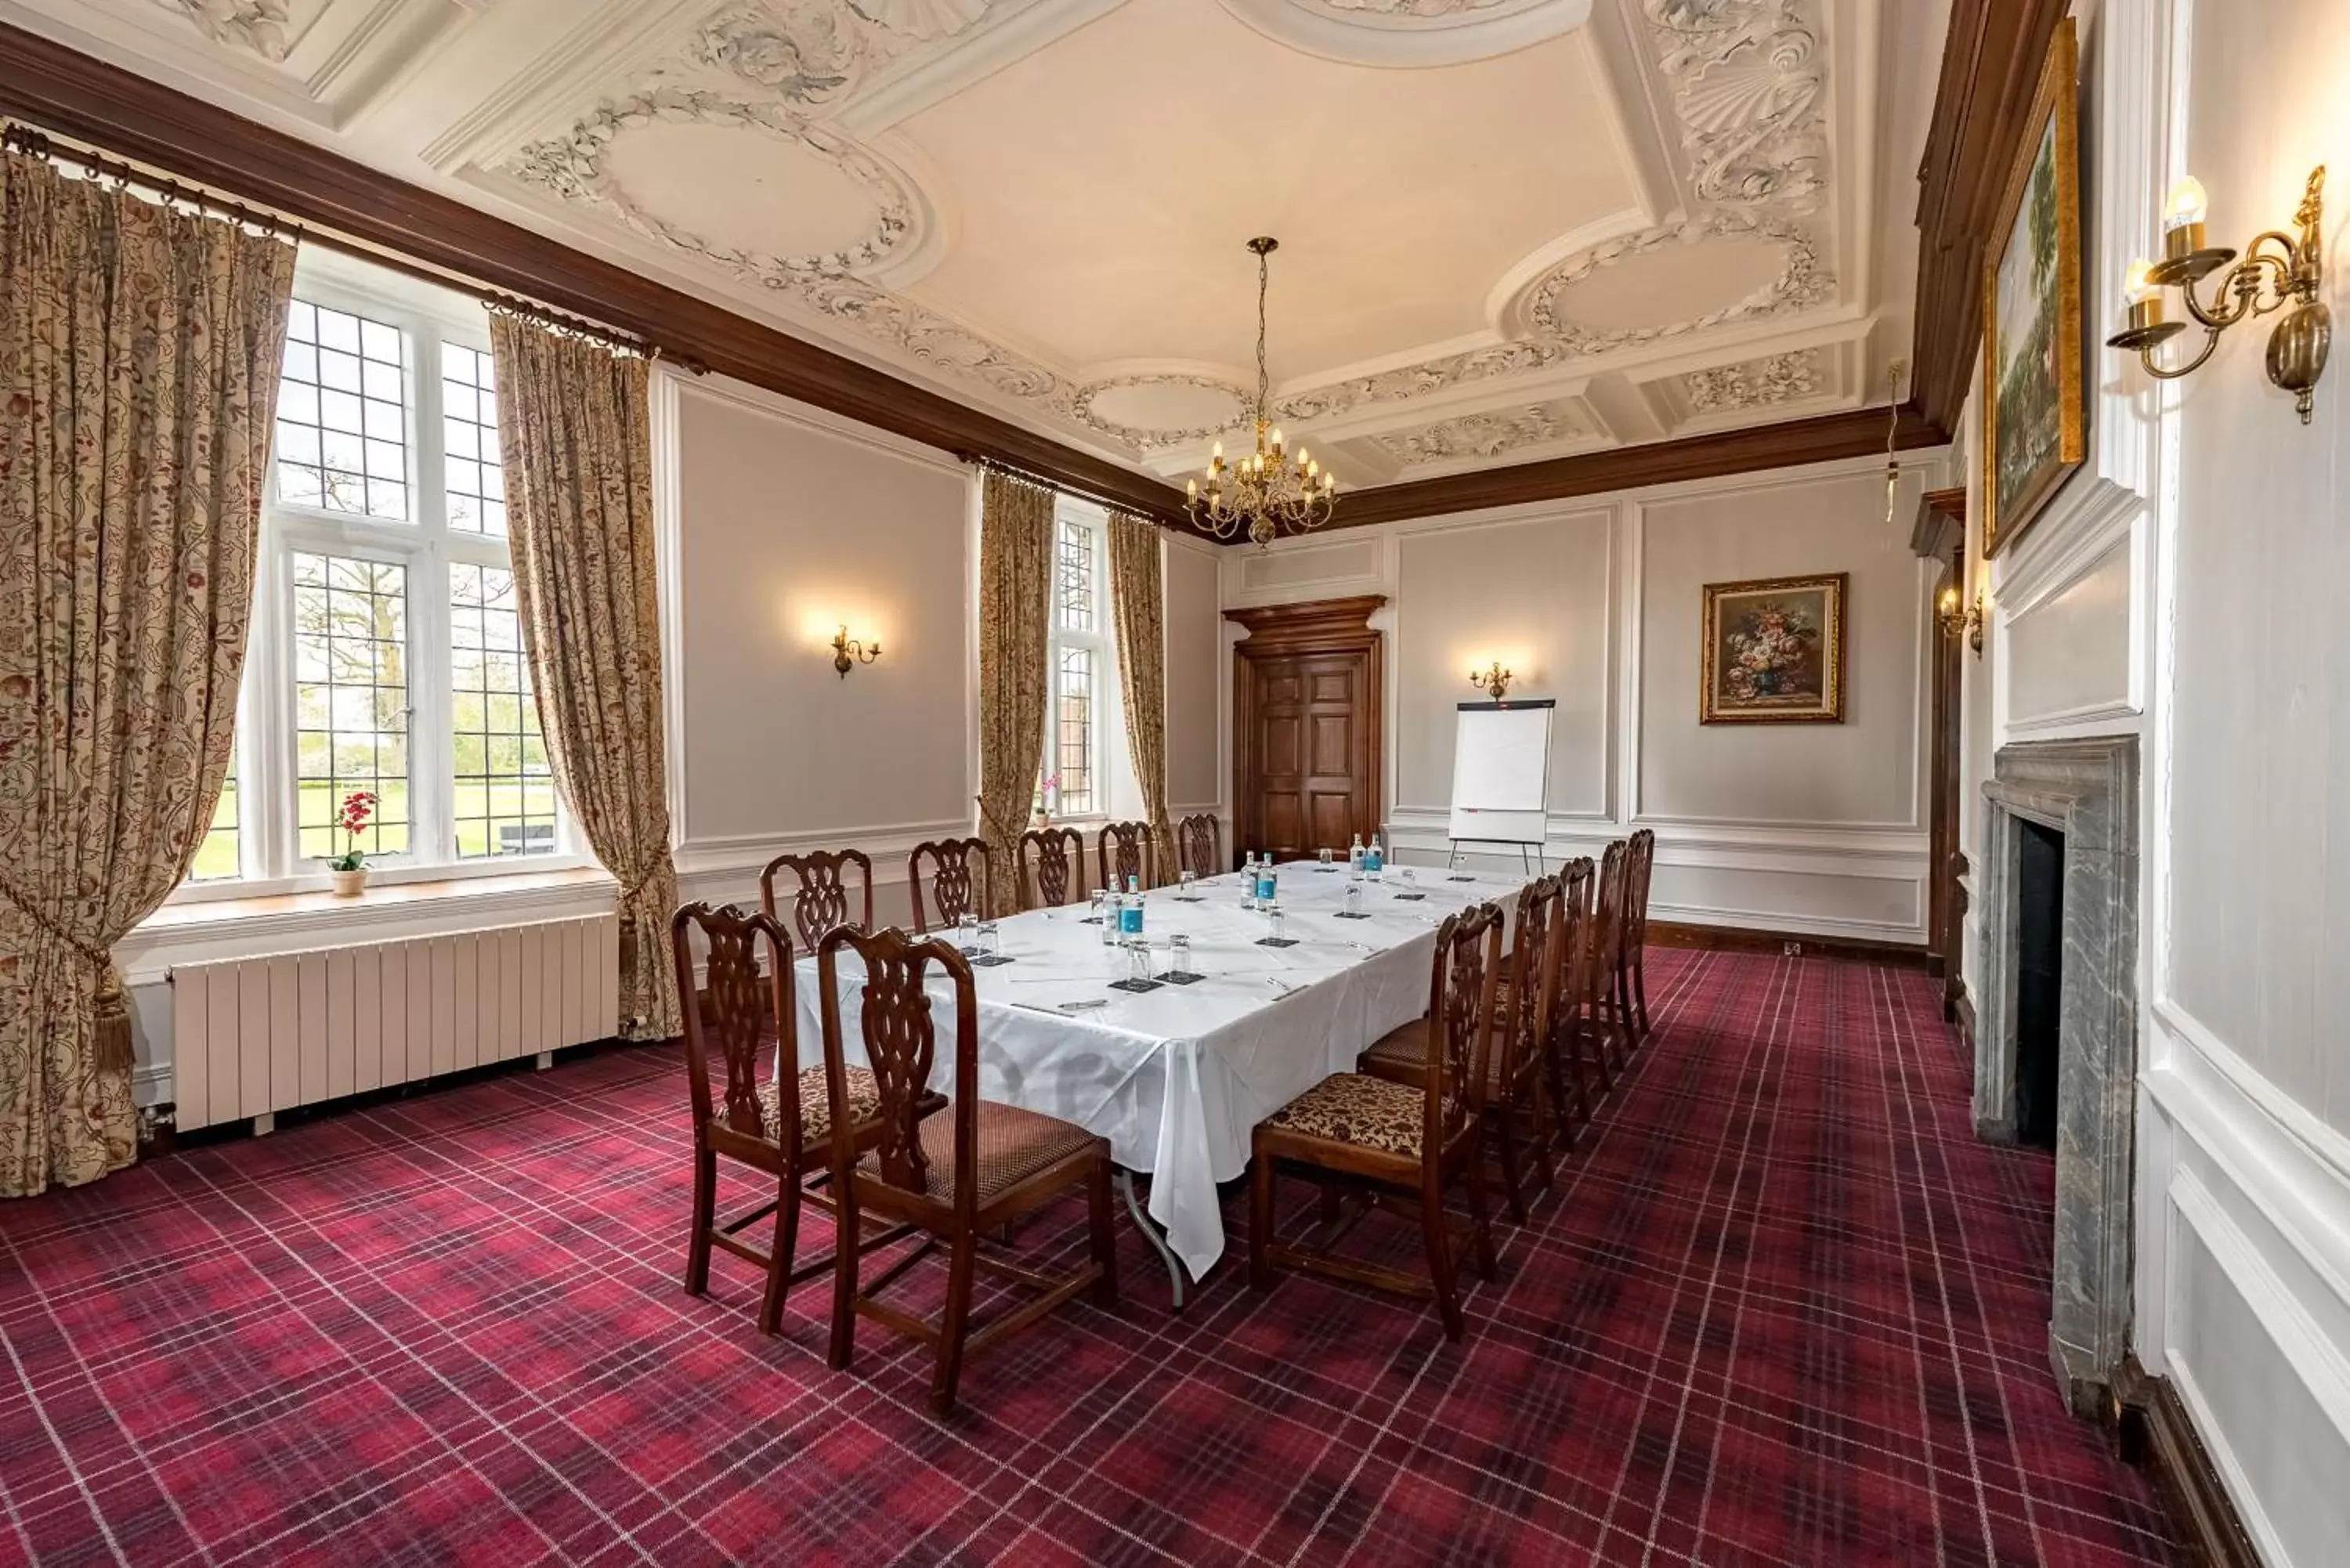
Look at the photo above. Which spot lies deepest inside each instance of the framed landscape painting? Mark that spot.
(1774, 651)
(2034, 397)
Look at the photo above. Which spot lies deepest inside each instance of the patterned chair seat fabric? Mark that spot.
(1013, 1145)
(1405, 1048)
(816, 1105)
(1355, 1108)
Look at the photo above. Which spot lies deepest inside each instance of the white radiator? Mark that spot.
(251, 1037)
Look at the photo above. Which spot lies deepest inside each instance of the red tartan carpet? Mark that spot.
(1783, 1309)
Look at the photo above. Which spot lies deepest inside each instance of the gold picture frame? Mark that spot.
(1773, 652)
(2035, 387)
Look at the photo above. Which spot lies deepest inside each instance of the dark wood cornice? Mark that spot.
(1992, 61)
(1940, 524)
(1853, 434)
(1320, 623)
(62, 90)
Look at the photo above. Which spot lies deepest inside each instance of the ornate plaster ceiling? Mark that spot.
(1511, 229)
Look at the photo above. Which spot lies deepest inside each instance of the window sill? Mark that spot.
(210, 929)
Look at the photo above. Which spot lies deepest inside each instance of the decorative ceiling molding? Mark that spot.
(263, 26)
(571, 166)
(1483, 435)
(1492, 363)
(1749, 85)
(1148, 438)
(817, 55)
(1409, 33)
(1803, 282)
(1757, 383)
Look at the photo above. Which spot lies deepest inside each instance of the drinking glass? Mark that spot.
(1101, 903)
(1184, 888)
(1354, 869)
(1410, 883)
(967, 934)
(1354, 898)
(991, 939)
(1273, 922)
(1178, 955)
(1326, 858)
(1137, 959)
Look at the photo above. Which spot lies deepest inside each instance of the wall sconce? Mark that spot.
(2265, 280)
(846, 653)
(1494, 681)
(1957, 619)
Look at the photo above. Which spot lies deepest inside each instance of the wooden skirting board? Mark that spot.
(1747, 940)
(2151, 1426)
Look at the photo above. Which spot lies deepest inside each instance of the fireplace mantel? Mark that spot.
(2086, 790)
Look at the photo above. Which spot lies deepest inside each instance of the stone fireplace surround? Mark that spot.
(2088, 791)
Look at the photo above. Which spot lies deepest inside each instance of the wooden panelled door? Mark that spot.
(1306, 709)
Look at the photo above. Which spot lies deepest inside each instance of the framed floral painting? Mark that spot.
(1773, 652)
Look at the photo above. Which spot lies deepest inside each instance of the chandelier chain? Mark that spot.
(1271, 490)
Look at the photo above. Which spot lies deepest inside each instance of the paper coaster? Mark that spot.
(1357, 915)
(1318, 871)
(1096, 919)
(1276, 942)
(1135, 985)
(989, 960)
(1182, 977)
(1408, 897)
(1461, 878)
(1190, 898)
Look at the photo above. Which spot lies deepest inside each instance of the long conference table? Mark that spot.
(1177, 1077)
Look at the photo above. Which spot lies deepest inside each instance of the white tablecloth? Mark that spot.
(1177, 1077)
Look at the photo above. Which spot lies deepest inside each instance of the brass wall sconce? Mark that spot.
(1494, 681)
(2277, 270)
(847, 653)
(1957, 619)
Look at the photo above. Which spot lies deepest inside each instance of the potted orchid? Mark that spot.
(350, 867)
(1048, 790)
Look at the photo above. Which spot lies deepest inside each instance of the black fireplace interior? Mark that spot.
(2039, 968)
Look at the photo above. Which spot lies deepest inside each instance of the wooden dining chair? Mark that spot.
(1052, 867)
(820, 891)
(1635, 944)
(1200, 845)
(1123, 850)
(1389, 1142)
(1571, 1075)
(778, 1123)
(1518, 1101)
(954, 1173)
(958, 879)
(1603, 1013)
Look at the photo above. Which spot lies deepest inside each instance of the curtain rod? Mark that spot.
(32, 142)
(1060, 487)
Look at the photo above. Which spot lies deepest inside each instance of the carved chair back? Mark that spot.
(820, 891)
(901, 1046)
(1053, 865)
(1643, 860)
(958, 879)
(1123, 850)
(728, 1014)
(1576, 924)
(1460, 985)
(1200, 845)
(1608, 921)
(1535, 979)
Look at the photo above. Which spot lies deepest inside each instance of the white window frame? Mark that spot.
(1102, 642)
(268, 839)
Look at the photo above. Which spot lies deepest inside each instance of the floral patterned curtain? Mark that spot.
(1015, 574)
(1138, 596)
(577, 425)
(139, 359)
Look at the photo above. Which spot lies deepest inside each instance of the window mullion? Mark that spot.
(269, 675)
(432, 758)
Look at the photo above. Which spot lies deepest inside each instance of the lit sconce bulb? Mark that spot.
(1949, 600)
(1301, 454)
(2138, 287)
(2186, 204)
(1192, 488)
(1276, 437)
(1220, 452)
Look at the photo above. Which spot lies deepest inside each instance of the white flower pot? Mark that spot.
(349, 883)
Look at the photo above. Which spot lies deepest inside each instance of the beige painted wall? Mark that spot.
(1864, 773)
(1197, 674)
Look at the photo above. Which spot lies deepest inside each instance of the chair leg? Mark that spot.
(1440, 1266)
(1260, 1222)
(779, 1260)
(844, 1238)
(1641, 992)
(954, 1325)
(1505, 1134)
(705, 1220)
(1480, 1232)
(1328, 1210)
(1545, 1116)
(1104, 1222)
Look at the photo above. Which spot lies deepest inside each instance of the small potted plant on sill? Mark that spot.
(1041, 810)
(350, 867)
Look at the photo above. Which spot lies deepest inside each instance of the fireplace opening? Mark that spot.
(2039, 974)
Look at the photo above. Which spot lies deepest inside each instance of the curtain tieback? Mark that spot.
(97, 956)
(635, 889)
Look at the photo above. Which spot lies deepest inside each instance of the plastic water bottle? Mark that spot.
(1248, 881)
(1130, 914)
(1266, 877)
(1355, 856)
(1372, 859)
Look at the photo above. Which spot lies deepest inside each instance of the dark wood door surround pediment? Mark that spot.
(1309, 706)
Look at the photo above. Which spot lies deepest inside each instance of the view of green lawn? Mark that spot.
(481, 809)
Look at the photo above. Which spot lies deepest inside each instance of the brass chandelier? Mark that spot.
(1267, 490)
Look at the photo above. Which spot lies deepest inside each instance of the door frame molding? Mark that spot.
(1281, 631)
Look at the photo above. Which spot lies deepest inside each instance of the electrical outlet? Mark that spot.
(1791, 950)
